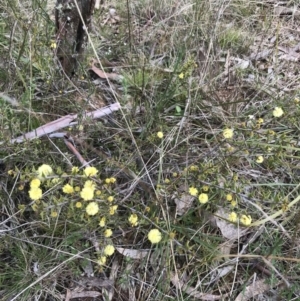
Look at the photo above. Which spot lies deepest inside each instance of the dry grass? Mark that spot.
(190, 70)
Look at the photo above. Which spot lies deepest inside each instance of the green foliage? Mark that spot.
(196, 133)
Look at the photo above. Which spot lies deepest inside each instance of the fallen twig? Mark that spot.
(63, 122)
(73, 149)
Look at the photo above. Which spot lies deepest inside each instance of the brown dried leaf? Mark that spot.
(105, 75)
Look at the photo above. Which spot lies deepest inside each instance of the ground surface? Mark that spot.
(192, 188)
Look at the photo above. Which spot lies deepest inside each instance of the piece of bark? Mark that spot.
(71, 31)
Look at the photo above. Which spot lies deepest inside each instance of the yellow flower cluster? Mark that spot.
(181, 75)
(78, 205)
(11, 172)
(193, 191)
(101, 260)
(75, 170)
(203, 198)
(154, 236)
(260, 121)
(35, 192)
(109, 250)
(90, 184)
(92, 208)
(205, 188)
(160, 135)
(68, 189)
(193, 168)
(111, 180)
(87, 192)
(232, 217)
(108, 233)
(35, 183)
(259, 159)
(102, 222)
(244, 219)
(54, 214)
(90, 171)
(110, 198)
(133, 220)
(53, 45)
(229, 197)
(228, 133)
(113, 209)
(278, 112)
(44, 170)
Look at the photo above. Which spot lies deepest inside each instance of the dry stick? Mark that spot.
(72, 148)
(63, 122)
(84, 294)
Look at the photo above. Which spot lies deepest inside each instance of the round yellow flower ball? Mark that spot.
(90, 171)
(110, 198)
(89, 184)
(101, 260)
(35, 183)
(102, 221)
(193, 191)
(109, 250)
(68, 189)
(260, 159)
(277, 112)
(160, 135)
(203, 198)
(78, 205)
(228, 133)
(92, 208)
(87, 193)
(229, 197)
(246, 220)
(133, 220)
(232, 217)
(108, 233)
(44, 170)
(35, 193)
(154, 236)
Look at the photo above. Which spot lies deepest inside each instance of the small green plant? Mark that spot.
(193, 183)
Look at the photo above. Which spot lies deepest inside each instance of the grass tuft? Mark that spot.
(190, 191)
